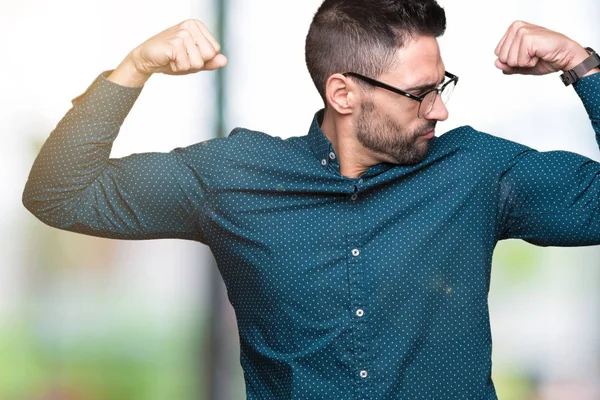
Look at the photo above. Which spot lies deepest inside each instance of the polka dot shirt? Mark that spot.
(366, 288)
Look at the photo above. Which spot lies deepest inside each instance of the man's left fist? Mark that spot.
(533, 50)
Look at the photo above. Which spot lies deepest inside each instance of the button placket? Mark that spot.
(354, 196)
(360, 346)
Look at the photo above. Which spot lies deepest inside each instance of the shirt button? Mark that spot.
(361, 181)
(364, 374)
(323, 162)
(354, 197)
(332, 155)
(360, 313)
(355, 252)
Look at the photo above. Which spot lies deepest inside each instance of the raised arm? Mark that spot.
(550, 198)
(75, 185)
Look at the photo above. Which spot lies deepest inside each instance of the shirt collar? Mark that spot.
(324, 151)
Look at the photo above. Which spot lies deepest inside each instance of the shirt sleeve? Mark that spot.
(74, 184)
(553, 198)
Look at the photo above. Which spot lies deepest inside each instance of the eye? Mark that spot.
(423, 93)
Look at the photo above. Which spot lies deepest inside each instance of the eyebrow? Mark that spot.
(426, 86)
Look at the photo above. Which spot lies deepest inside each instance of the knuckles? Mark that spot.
(518, 24)
(523, 30)
(189, 24)
(183, 33)
(177, 41)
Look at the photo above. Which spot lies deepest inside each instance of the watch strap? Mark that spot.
(571, 76)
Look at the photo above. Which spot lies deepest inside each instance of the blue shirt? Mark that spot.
(367, 288)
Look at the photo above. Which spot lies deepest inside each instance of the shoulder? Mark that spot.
(240, 142)
(262, 146)
(244, 149)
(252, 140)
(468, 139)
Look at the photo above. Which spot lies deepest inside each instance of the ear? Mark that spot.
(340, 93)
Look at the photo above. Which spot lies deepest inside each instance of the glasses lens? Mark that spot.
(427, 104)
(447, 92)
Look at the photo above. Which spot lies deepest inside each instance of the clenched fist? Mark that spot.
(185, 48)
(533, 50)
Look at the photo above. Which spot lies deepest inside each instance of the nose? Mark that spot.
(439, 112)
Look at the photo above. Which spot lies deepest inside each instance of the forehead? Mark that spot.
(418, 62)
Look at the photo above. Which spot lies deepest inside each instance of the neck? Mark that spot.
(354, 158)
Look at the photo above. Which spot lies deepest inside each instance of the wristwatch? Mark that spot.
(573, 75)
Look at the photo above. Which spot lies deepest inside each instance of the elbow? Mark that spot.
(50, 212)
(35, 207)
(28, 200)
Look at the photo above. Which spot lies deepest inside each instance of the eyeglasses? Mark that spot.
(426, 100)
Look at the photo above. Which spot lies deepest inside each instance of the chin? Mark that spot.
(412, 157)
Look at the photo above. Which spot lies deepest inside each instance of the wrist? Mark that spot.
(127, 74)
(588, 66)
(579, 54)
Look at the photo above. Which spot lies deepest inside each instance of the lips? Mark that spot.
(428, 135)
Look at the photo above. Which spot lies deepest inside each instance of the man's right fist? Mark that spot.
(185, 48)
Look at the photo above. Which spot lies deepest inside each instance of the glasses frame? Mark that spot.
(374, 82)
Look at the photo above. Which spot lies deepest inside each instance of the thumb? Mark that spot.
(506, 69)
(530, 68)
(218, 62)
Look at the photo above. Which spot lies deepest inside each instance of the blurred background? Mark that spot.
(91, 318)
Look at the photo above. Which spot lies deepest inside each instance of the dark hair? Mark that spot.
(363, 36)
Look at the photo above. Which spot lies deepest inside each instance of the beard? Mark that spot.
(382, 135)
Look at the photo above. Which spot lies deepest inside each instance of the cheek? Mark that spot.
(406, 120)
(403, 112)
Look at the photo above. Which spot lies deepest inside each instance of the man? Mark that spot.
(357, 258)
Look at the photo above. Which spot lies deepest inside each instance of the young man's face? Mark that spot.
(387, 122)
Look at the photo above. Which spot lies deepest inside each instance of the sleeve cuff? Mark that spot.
(106, 100)
(588, 89)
